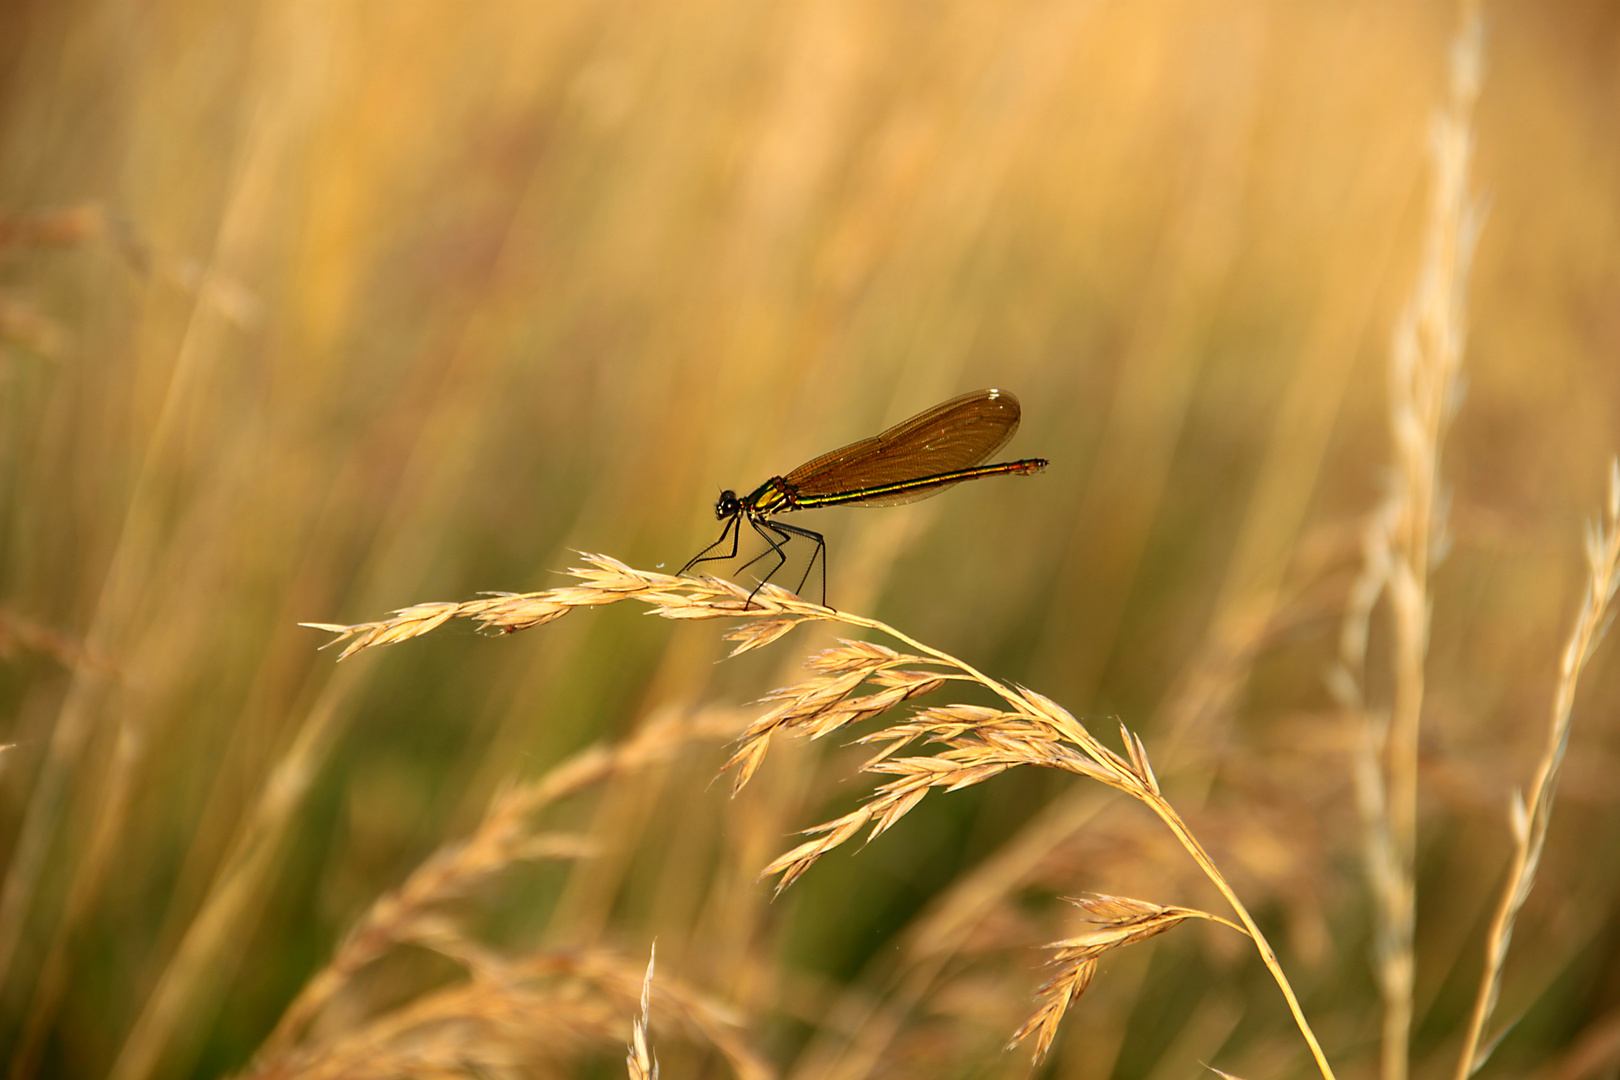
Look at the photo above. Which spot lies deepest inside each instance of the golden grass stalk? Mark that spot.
(1202, 696)
(506, 1017)
(1405, 539)
(1529, 823)
(604, 581)
(980, 742)
(505, 836)
(237, 890)
(639, 1062)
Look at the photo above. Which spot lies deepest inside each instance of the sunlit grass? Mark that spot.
(312, 312)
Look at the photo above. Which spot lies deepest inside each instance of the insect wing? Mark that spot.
(956, 434)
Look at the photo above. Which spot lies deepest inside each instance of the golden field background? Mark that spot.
(314, 310)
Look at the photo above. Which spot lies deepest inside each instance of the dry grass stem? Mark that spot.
(1529, 823)
(639, 1062)
(504, 837)
(508, 1017)
(604, 580)
(1406, 538)
(1195, 712)
(979, 742)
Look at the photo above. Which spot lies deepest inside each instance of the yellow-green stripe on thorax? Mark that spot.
(772, 497)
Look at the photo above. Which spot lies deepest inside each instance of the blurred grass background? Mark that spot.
(312, 310)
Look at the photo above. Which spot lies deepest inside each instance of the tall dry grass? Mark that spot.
(1029, 731)
(1406, 539)
(310, 311)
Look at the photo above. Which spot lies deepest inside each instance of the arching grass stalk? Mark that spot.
(979, 742)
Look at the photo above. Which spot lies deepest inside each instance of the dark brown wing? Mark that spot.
(956, 434)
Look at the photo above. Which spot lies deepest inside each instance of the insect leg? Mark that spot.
(761, 555)
(765, 528)
(820, 551)
(734, 528)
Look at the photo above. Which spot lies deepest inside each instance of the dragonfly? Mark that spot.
(915, 459)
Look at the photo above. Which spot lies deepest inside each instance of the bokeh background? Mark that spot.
(310, 310)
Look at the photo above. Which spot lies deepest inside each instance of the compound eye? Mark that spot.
(727, 505)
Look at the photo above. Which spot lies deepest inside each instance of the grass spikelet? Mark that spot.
(1529, 823)
(824, 703)
(1117, 921)
(639, 1062)
(603, 580)
(1055, 995)
(754, 635)
(855, 656)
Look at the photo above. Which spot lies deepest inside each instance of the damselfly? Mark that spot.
(914, 459)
